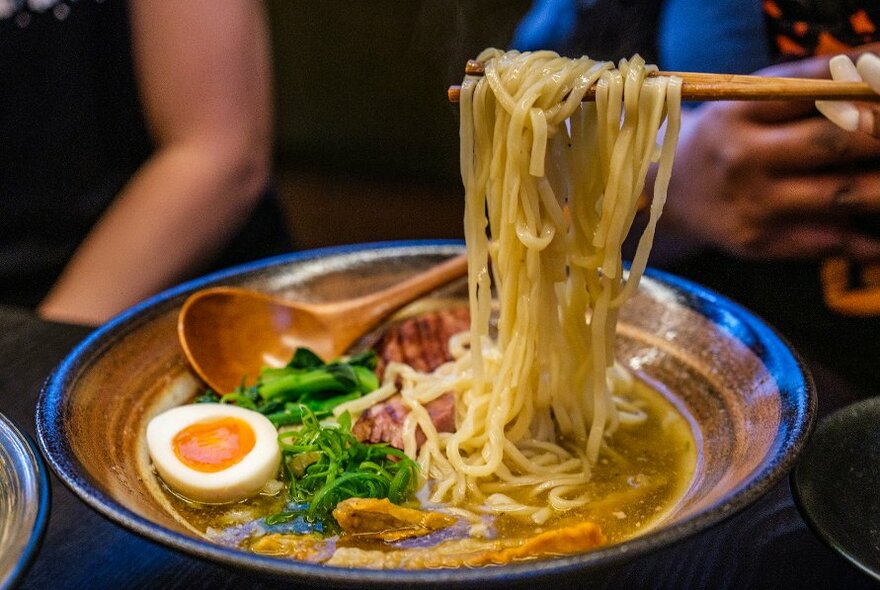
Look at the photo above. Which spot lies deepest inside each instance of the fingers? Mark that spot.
(811, 67)
(805, 238)
(840, 67)
(807, 144)
(851, 116)
(831, 195)
(862, 247)
(844, 114)
(806, 216)
(791, 238)
(814, 67)
(775, 111)
(868, 67)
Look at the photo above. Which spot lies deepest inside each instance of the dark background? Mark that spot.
(366, 142)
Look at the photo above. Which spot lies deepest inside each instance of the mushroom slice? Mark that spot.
(382, 520)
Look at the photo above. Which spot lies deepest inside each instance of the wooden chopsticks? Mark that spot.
(701, 87)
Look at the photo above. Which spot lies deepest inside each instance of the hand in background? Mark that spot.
(774, 180)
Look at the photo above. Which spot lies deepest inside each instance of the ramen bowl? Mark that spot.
(750, 400)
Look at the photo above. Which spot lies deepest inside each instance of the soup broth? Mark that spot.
(643, 472)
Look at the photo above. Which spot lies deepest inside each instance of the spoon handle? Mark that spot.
(367, 311)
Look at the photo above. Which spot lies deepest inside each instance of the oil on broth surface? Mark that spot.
(643, 473)
(640, 477)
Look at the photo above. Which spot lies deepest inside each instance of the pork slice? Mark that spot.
(434, 342)
(383, 422)
(422, 341)
(442, 413)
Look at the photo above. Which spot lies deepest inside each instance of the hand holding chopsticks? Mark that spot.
(704, 87)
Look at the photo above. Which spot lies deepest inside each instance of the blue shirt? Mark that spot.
(727, 36)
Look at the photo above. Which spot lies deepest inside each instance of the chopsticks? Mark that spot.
(701, 87)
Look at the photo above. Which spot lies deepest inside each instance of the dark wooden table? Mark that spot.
(766, 546)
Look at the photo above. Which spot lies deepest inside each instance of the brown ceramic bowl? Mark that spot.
(751, 399)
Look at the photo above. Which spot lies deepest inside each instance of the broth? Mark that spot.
(640, 477)
(638, 481)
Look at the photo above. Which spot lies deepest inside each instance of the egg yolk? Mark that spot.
(214, 445)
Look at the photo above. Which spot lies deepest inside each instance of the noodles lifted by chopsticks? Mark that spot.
(556, 182)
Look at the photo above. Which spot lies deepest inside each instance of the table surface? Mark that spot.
(765, 546)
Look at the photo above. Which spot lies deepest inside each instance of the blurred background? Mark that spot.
(366, 143)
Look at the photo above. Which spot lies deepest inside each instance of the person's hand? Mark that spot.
(774, 180)
(861, 116)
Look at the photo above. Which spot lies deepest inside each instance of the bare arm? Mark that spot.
(203, 71)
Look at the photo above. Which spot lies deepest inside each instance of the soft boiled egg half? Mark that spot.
(214, 453)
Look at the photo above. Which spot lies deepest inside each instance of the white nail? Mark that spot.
(843, 114)
(843, 70)
(869, 67)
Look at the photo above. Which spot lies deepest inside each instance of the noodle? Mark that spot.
(552, 186)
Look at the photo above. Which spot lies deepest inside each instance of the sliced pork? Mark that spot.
(422, 343)
(383, 422)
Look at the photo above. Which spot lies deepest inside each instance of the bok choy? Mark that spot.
(306, 382)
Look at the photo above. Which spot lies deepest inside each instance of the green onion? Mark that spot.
(340, 467)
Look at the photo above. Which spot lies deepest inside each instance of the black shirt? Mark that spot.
(72, 133)
(71, 130)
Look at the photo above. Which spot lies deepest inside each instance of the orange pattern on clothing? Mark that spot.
(853, 300)
(798, 28)
(828, 45)
(788, 46)
(772, 9)
(861, 23)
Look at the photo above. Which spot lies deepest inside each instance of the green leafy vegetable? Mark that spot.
(209, 397)
(326, 464)
(306, 381)
(280, 518)
(303, 358)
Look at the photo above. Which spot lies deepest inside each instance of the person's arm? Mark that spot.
(203, 72)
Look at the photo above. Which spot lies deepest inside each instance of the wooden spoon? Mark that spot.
(228, 333)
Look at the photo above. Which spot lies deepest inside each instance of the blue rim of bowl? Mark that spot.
(43, 493)
(796, 387)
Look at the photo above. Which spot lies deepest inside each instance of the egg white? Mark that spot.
(238, 481)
